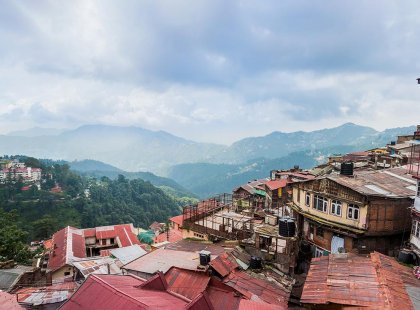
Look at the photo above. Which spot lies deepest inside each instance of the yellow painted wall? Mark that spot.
(360, 223)
(190, 234)
(59, 274)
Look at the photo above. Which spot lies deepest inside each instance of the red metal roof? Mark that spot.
(347, 279)
(103, 292)
(78, 245)
(66, 245)
(8, 301)
(89, 232)
(47, 244)
(174, 236)
(257, 289)
(224, 264)
(177, 219)
(275, 184)
(222, 298)
(186, 283)
(105, 234)
(252, 305)
(126, 235)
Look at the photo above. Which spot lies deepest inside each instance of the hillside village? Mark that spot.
(342, 234)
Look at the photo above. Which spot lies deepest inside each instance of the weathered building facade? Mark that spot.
(365, 212)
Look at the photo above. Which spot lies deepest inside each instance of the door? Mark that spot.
(337, 245)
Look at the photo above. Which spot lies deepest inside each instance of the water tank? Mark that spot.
(204, 257)
(287, 227)
(346, 168)
(255, 263)
(406, 257)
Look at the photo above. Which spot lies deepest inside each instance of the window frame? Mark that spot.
(308, 199)
(320, 201)
(352, 208)
(336, 205)
(418, 188)
(416, 229)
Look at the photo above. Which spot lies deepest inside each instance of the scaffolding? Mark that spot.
(216, 218)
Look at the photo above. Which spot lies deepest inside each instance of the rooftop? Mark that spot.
(158, 260)
(36, 296)
(128, 254)
(276, 184)
(8, 301)
(177, 219)
(347, 279)
(392, 183)
(104, 292)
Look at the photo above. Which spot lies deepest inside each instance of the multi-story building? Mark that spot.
(27, 174)
(361, 212)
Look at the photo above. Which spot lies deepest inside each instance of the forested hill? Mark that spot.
(84, 202)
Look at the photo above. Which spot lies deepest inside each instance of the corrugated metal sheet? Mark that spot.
(163, 260)
(275, 184)
(393, 183)
(105, 265)
(224, 264)
(120, 292)
(65, 242)
(177, 219)
(257, 288)
(223, 299)
(348, 279)
(186, 283)
(8, 301)
(252, 305)
(34, 296)
(128, 254)
(173, 235)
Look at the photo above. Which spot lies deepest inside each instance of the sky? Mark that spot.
(210, 71)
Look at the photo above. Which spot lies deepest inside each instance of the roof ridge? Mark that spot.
(103, 282)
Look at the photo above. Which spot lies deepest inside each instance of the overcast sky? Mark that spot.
(210, 70)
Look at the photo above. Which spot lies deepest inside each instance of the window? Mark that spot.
(320, 232)
(67, 273)
(418, 188)
(336, 207)
(103, 241)
(198, 235)
(112, 241)
(320, 203)
(353, 212)
(307, 199)
(416, 229)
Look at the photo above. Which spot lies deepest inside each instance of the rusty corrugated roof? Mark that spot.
(392, 183)
(257, 288)
(377, 281)
(224, 264)
(186, 283)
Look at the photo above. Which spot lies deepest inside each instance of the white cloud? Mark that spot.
(209, 70)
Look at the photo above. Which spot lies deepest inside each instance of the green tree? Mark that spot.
(12, 239)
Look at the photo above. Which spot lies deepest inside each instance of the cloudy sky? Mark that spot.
(209, 70)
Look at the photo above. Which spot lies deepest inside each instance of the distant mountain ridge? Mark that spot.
(138, 149)
(98, 169)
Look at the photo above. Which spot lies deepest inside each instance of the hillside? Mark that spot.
(41, 212)
(97, 169)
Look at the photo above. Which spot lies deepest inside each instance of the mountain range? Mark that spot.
(202, 168)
